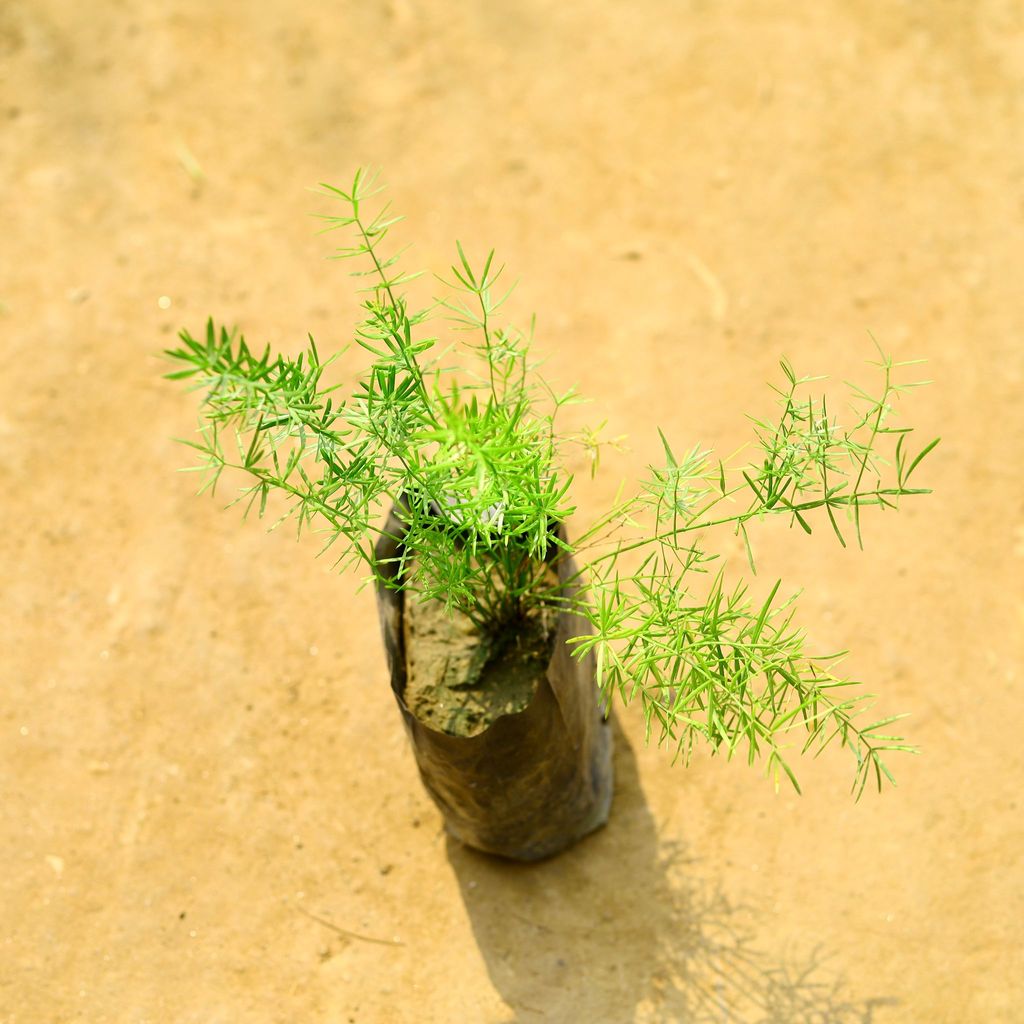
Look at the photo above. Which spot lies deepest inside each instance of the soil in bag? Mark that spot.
(458, 679)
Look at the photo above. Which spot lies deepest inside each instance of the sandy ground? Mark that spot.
(207, 807)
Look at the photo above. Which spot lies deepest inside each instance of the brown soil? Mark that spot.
(208, 810)
(460, 680)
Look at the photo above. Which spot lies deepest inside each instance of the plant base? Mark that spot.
(534, 782)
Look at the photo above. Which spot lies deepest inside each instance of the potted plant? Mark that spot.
(442, 473)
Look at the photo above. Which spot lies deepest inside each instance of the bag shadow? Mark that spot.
(621, 928)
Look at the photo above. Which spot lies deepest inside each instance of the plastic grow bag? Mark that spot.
(534, 781)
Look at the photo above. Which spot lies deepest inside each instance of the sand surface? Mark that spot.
(208, 811)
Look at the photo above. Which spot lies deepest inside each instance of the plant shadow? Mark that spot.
(620, 929)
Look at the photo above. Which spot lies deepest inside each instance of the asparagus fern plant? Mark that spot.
(466, 442)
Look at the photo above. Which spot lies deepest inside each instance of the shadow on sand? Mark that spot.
(621, 929)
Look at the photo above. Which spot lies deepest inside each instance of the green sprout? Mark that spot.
(465, 443)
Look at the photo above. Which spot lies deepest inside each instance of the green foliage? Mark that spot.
(470, 453)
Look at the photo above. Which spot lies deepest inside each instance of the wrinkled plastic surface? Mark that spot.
(535, 781)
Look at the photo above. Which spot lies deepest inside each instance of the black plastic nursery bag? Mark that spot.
(535, 781)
